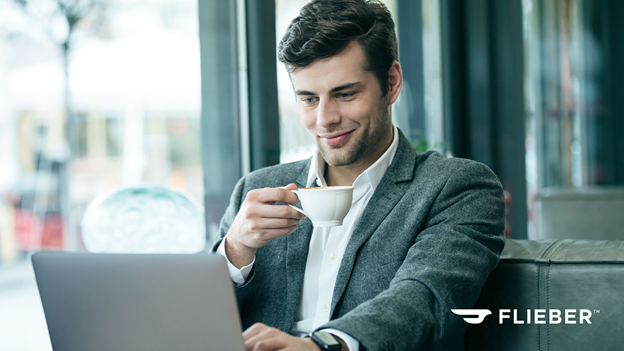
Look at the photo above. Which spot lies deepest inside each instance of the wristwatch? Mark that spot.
(325, 341)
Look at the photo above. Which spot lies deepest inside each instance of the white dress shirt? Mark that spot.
(327, 247)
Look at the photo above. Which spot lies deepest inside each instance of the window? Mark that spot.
(572, 97)
(133, 83)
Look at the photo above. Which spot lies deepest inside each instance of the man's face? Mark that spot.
(341, 105)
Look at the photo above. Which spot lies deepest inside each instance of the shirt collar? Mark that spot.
(368, 180)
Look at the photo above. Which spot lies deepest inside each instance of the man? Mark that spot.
(423, 232)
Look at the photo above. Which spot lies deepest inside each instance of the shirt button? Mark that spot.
(333, 256)
(325, 308)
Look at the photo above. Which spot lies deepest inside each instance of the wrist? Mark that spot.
(238, 254)
(311, 344)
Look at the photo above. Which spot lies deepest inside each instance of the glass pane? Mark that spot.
(570, 144)
(432, 60)
(565, 84)
(295, 142)
(131, 95)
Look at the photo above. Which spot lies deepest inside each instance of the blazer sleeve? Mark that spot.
(445, 268)
(236, 200)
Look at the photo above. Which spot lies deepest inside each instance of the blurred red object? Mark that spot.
(507, 204)
(33, 234)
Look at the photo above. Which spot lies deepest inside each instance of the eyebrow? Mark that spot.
(336, 89)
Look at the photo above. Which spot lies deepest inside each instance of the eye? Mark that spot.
(345, 96)
(308, 101)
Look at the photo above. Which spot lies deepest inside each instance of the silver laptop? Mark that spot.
(138, 302)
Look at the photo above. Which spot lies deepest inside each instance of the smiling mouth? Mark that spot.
(336, 138)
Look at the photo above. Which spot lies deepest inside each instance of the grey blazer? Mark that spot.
(425, 244)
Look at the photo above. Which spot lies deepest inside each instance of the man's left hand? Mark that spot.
(260, 337)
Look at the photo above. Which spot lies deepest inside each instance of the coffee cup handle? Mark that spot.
(297, 208)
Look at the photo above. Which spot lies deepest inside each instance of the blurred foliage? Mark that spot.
(58, 19)
(421, 144)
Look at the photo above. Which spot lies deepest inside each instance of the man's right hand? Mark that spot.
(259, 220)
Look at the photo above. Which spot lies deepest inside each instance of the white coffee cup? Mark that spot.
(325, 206)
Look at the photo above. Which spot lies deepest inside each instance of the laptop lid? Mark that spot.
(138, 302)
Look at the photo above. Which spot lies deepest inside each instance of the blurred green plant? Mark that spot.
(421, 144)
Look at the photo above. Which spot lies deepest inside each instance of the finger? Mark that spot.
(291, 186)
(261, 237)
(254, 330)
(266, 344)
(273, 211)
(272, 223)
(273, 195)
(256, 335)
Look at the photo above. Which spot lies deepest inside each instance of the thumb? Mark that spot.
(291, 186)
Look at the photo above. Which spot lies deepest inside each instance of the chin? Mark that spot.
(334, 158)
(344, 154)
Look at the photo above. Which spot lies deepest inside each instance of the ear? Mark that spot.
(395, 82)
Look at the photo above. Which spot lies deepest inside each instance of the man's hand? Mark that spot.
(260, 337)
(260, 220)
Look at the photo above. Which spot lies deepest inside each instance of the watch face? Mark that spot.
(326, 341)
(326, 338)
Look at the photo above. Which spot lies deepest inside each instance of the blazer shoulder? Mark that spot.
(277, 175)
(431, 162)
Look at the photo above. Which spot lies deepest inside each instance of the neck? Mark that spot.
(346, 175)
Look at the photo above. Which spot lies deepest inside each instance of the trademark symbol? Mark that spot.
(596, 311)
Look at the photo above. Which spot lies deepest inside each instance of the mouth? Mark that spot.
(335, 138)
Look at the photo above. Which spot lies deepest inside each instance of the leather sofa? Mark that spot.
(553, 295)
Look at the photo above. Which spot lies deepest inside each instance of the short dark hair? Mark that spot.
(325, 27)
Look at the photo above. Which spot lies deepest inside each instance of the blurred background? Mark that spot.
(98, 95)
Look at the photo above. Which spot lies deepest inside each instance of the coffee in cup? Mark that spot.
(325, 206)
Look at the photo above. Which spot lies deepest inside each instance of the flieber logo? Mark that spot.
(536, 316)
(480, 315)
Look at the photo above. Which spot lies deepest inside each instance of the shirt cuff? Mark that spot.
(239, 276)
(352, 344)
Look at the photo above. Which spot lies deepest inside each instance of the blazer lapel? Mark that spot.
(386, 196)
(298, 243)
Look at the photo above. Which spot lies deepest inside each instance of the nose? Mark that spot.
(327, 113)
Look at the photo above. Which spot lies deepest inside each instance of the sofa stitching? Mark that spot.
(543, 302)
(538, 305)
(548, 306)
